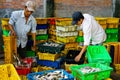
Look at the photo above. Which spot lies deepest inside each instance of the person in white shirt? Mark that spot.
(21, 22)
(92, 31)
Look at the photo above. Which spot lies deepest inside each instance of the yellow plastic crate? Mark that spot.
(8, 72)
(117, 67)
(104, 26)
(5, 24)
(112, 25)
(66, 39)
(48, 56)
(67, 67)
(44, 68)
(41, 20)
(101, 20)
(23, 77)
(63, 22)
(112, 20)
(10, 47)
(71, 45)
(80, 33)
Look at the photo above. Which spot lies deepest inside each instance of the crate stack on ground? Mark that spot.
(52, 29)
(112, 29)
(114, 50)
(49, 54)
(10, 46)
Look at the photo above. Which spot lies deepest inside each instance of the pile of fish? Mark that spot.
(89, 69)
(55, 75)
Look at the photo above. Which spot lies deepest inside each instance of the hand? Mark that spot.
(34, 48)
(13, 33)
(77, 58)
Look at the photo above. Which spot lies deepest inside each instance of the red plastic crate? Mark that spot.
(24, 70)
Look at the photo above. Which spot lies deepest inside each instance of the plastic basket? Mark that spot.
(30, 54)
(31, 76)
(98, 54)
(48, 56)
(101, 20)
(111, 30)
(79, 39)
(63, 22)
(112, 20)
(66, 39)
(100, 75)
(50, 47)
(117, 67)
(8, 72)
(41, 20)
(10, 47)
(42, 37)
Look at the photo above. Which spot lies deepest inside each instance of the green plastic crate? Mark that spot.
(30, 54)
(111, 30)
(100, 75)
(98, 54)
(42, 37)
(79, 39)
(5, 32)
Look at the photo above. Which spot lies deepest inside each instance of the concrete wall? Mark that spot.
(65, 8)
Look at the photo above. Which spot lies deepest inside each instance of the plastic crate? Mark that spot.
(10, 47)
(71, 45)
(42, 37)
(54, 64)
(41, 26)
(23, 77)
(30, 53)
(50, 47)
(80, 33)
(112, 30)
(5, 32)
(8, 72)
(117, 67)
(24, 69)
(104, 26)
(66, 39)
(112, 37)
(66, 34)
(69, 59)
(79, 39)
(48, 56)
(31, 75)
(63, 22)
(112, 20)
(41, 20)
(4, 22)
(100, 75)
(101, 20)
(112, 25)
(66, 28)
(67, 67)
(98, 54)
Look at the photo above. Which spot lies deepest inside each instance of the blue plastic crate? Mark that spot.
(30, 76)
(42, 26)
(55, 64)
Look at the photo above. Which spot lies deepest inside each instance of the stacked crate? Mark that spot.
(52, 29)
(112, 29)
(49, 54)
(10, 46)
